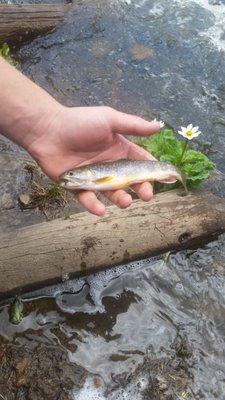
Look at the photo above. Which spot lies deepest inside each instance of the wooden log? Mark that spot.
(24, 22)
(36, 255)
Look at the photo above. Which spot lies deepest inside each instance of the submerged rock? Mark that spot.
(41, 373)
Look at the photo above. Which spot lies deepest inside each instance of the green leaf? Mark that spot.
(166, 147)
(5, 53)
(197, 167)
(4, 50)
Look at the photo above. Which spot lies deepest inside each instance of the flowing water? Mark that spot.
(153, 329)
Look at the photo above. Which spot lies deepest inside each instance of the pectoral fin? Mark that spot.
(170, 179)
(105, 179)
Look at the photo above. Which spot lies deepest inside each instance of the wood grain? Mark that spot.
(39, 254)
(24, 22)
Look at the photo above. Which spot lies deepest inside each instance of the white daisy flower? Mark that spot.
(190, 132)
(161, 123)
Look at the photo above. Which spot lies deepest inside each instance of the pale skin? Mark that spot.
(60, 138)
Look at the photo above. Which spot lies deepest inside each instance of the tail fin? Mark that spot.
(183, 180)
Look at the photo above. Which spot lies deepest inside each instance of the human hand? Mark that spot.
(61, 138)
(84, 135)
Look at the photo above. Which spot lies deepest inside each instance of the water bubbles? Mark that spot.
(90, 391)
(65, 276)
(220, 374)
(142, 383)
(121, 63)
(179, 287)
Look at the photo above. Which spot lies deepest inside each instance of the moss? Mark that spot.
(5, 53)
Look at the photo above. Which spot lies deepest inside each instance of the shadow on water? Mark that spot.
(146, 330)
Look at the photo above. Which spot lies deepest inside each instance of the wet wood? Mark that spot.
(23, 22)
(36, 255)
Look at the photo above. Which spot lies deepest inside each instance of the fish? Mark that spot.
(120, 174)
(16, 311)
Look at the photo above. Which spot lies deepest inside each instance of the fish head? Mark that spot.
(74, 180)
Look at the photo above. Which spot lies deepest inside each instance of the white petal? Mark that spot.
(196, 134)
(195, 129)
(189, 127)
(161, 123)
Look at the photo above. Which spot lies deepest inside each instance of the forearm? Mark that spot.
(26, 110)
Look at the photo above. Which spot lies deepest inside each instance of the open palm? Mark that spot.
(80, 136)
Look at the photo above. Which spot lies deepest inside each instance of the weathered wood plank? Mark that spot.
(35, 255)
(24, 22)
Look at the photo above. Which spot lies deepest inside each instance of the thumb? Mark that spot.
(127, 124)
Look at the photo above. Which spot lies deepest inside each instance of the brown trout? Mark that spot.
(120, 174)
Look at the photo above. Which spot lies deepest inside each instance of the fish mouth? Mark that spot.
(72, 183)
(62, 183)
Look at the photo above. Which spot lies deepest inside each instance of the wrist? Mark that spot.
(29, 124)
(26, 110)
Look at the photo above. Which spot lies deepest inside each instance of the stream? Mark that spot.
(152, 329)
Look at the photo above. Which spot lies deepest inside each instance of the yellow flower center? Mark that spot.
(189, 133)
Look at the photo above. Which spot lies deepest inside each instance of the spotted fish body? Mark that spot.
(120, 174)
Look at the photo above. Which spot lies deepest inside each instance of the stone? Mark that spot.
(25, 200)
(140, 52)
(13, 178)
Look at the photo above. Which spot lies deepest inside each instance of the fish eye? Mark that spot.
(71, 173)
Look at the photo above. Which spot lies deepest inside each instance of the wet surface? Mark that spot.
(152, 58)
(37, 373)
(146, 57)
(148, 330)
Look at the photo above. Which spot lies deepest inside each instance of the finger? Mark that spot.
(134, 151)
(128, 124)
(89, 201)
(143, 190)
(119, 197)
(138, 153)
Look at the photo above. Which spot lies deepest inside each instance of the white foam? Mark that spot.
(89, 391)
(132, 391)
(215, 32)
(157, 10)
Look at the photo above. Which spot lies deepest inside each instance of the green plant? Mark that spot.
(16, 311)
(55, 192)
(5, 53)
(166, 147)
(4, 50)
